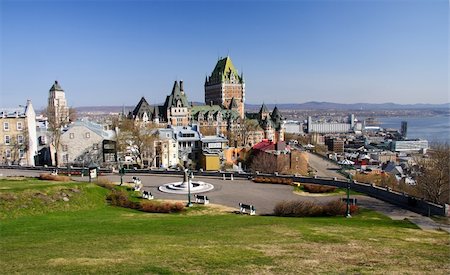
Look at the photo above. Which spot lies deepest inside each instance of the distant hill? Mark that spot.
(312, 105)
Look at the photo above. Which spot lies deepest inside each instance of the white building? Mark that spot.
(83, 143)
(412, 145)
(57, 104)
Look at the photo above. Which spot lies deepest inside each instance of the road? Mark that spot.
(324, 168)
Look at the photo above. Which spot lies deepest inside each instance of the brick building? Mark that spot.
(225, 87)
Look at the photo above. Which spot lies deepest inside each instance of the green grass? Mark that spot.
(96, 238)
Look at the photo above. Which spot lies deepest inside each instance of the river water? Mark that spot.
(431, 128)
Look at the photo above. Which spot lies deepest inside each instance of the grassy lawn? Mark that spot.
(85, 235)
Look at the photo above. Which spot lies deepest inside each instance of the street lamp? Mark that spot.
(348, 201)
(189, 204)
(189, 181)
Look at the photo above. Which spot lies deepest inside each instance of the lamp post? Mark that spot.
(348, 201)
(189, 204)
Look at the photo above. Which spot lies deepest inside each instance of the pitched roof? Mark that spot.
(175, 97)
(263, 109)
(196, 111)
(56, 87)
(141, 108)
(277, 118)
(224, 71)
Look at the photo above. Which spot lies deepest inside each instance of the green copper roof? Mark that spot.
(205, 110)
(56, 87)
(224, 72)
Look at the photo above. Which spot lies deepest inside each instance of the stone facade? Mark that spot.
(18, 141)
(82, 143)
(57, 104)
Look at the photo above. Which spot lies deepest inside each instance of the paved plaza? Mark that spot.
(263, 196)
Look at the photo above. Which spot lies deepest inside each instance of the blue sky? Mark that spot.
(114, 52)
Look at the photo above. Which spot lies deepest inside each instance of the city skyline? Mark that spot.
(289, 52)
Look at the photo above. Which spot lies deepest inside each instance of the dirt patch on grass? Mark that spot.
(83, 261)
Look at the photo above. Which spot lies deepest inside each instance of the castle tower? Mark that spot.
(177, 106)
(224, 84)
(278, 124)
(263, 112)
(57, 105)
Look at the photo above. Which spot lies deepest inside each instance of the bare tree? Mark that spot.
(269, 163)
(138, 140)
(19, 144)
(57, 120)
(73, 115)
(243, 132)
(433, 178)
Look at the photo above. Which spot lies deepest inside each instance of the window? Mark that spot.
(72, 136)
(19, 126)
(165, 146)
(87, 135)
(64, 148)
(66, 158)
(174, 156)
(167, 135)
(21, 153)
(174, 145)
(20, 139)
(6, 126)
(95, 146)
(7, 140)
(8, 153)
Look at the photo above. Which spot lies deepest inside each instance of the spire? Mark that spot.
(56, 87)
(263, 109)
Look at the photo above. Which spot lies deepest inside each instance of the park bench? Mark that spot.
(147, 195)
(247, 208)
(201, 199)
(352, 201)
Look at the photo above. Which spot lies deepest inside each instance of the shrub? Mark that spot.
(118, 198)
(161, 207)
(312, 209)
(53, 177)
(339, 208)
(121, 198)
(276, 180)
(315, 188)
(297, 209)
(335, 208)
(105, 183)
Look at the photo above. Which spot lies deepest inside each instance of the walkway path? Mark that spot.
(324, 168)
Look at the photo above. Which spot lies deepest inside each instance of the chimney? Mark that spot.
(181, 87)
